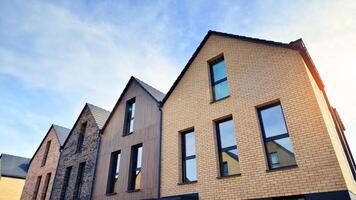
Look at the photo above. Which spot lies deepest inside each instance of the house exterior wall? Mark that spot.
(11, 188)
(70, 157)
(35, 169)
(146, 131)
(257, 75)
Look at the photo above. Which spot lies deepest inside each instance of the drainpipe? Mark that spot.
(96, 161)
(159, 104)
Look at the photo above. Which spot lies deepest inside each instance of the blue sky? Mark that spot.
(55, 56)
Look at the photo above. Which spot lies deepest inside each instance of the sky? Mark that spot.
(57, 55)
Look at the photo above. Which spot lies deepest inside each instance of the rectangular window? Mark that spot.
(135, 168)
(79, 181)
(45, 155)
(45, 187)
(65, 183)
(278, 145)
(37, 187)
(227, 147)
(189, 173)
(130, 117)
(81, 136)
(114, 171)
(219, 79)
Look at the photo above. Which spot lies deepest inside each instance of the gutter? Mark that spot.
(96, 161)
(159, 104)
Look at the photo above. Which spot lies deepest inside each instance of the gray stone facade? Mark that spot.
(70, 157)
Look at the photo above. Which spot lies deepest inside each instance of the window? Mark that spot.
(130, 117)
(79, 182)
(113, 171)
(278, 145)
(37, 186)
(65, 183)
(135, 168)
(45, 187)
(81, 136)
(45, 155)
(227, 147)
(189, 173)
(219, 79)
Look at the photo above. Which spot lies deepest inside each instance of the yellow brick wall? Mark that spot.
(11, 188)
(256, 74)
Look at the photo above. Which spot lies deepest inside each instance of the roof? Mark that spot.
(155, 94)
(13, 166)
(295, 45)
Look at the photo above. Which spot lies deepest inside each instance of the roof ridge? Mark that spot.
(154, 92)
(90, 104)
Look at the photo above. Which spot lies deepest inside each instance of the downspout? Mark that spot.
(96, 161)
(159, 104)
(56, 174)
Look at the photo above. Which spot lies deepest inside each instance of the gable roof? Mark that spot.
(295, 45)
(100, 115)
(155, 94)
(13, 166)
(61, 133)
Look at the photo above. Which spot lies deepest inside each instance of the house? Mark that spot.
(249, 119)
(128, 158)
(13, 170)
(76, 167)
(43, 165)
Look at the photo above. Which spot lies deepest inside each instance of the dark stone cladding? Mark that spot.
(70, 157)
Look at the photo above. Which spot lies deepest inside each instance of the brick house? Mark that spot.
(76, 167)
(249, 119)
(43, 165)
(128, 157)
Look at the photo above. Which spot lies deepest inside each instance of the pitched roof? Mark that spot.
(156, 95)
(100, 115)
(13, 166)
(296, 45)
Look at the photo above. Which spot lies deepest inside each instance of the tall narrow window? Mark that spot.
(130, 117)
(278, 145)
(219, 79)
(114, 171)
(66, 183)
(189, 173)
(45, 186)
(81, 136)
(79, 181)
(135, 168)
(228, 154)
(45, 155)
(37, 187)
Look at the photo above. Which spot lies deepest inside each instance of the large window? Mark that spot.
(37, 187)
(79, 182)
(83, 127)
(135, 168)
(65, 183)
(228, 154)
(219, 79)
(45, 155)
(45, 187)
(189, 173)
(114, 171)
(278, 145)
(130, 117)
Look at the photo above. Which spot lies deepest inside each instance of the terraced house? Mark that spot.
(128, 158)
(249, 119)
(76, 168)
(43, 165)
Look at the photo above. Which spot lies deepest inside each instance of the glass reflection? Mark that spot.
(221, 90)
(273, 121)
(280, 153)
(219, 71)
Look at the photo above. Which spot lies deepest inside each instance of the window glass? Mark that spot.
(136, 167)
(219, 70)
(281, 152)
(130, 116)
(273, 121)
(188, 157)
(221, 90)
(190, 144)
(191, 174)
(219, 80)
(117, 170)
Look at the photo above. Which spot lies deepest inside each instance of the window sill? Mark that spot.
(131, 191)
(127, 134)
(186, 183)
(228, 176)
(214, 101)
(111, 194)
(282, 168)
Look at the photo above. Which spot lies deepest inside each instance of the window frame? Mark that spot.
(129, 118)
(45, 186)
(45, 155)
(79, 181)
(273, 138)
(81, 136)
(114, 160)
(212, 81)
(66, 180)
(133, 167)
(184, 158)
(37, 187)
